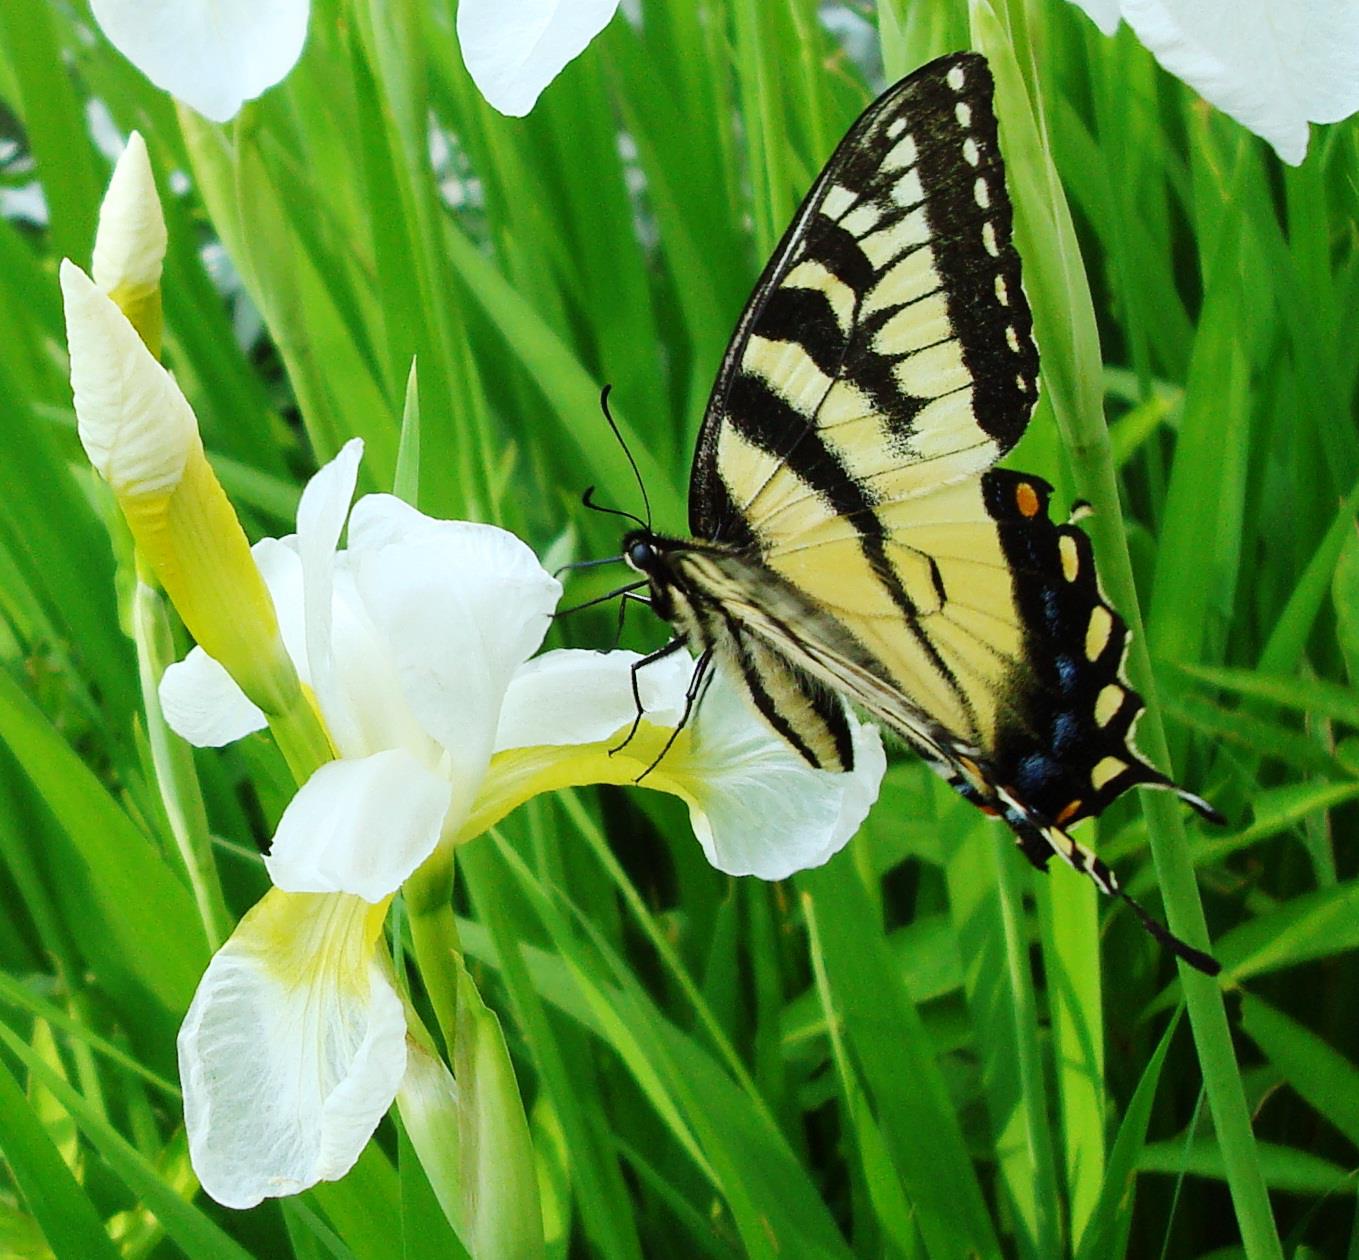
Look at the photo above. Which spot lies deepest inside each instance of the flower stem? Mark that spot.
(301, 737)
(434, 931)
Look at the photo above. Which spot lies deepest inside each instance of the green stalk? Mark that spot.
(1064, 316)
(428, 895)
(176, 778)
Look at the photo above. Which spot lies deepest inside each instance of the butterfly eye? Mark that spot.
(641, 555)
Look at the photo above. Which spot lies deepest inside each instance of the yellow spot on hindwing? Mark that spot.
(1108, 703)
(1071, 557)
(1106, 770)
(1097, 632)
(1027, 500)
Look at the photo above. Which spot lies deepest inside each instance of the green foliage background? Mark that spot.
(922, 1050)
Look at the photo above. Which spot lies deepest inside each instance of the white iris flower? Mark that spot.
(415, 640)
(1273, 65)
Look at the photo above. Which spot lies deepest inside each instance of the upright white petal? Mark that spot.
(462, 607)
(575, 696)
(211, 54)
(292, 1050)
(135, 425)
(320, 518)
(129, 246)
(514, 48)
(757, 808)
(359, 826)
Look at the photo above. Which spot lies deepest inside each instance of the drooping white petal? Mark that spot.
(462, 606)
(359, 826)
(129, 246)
(1104, 13)
(514, 48)
(203, 704)
(211, 54)
(757, 808)
(135, 425)
(320, 518)
(292, 1050)
(1273, 67)
(574, 696)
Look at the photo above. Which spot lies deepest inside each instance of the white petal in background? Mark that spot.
(514, 48)
(1273, 65)
(292, 1050)
(757, 808)
(359, 826)
(212, 54)
(575, 696)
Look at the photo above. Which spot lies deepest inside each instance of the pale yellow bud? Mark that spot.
(142, 437)
(129, 246)
(135, 424)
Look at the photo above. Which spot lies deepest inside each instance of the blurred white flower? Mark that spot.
(212, 54)
(415, 640)
(1273, 65)
(514, 48)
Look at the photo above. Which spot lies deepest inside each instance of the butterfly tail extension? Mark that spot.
(1031, 830)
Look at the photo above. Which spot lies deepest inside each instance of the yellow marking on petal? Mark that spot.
(1097, 632)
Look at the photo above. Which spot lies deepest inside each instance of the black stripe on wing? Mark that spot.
(810, 718)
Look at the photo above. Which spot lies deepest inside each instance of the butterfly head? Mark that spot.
(641, 551)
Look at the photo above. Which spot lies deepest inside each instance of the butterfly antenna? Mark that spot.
(636, 472)
(586, 564)
(588, 499)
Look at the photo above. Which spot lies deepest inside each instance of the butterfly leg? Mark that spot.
(650, 659)
(628, 597)
(691, 698)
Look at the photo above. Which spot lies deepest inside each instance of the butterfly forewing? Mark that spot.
(888, 347)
